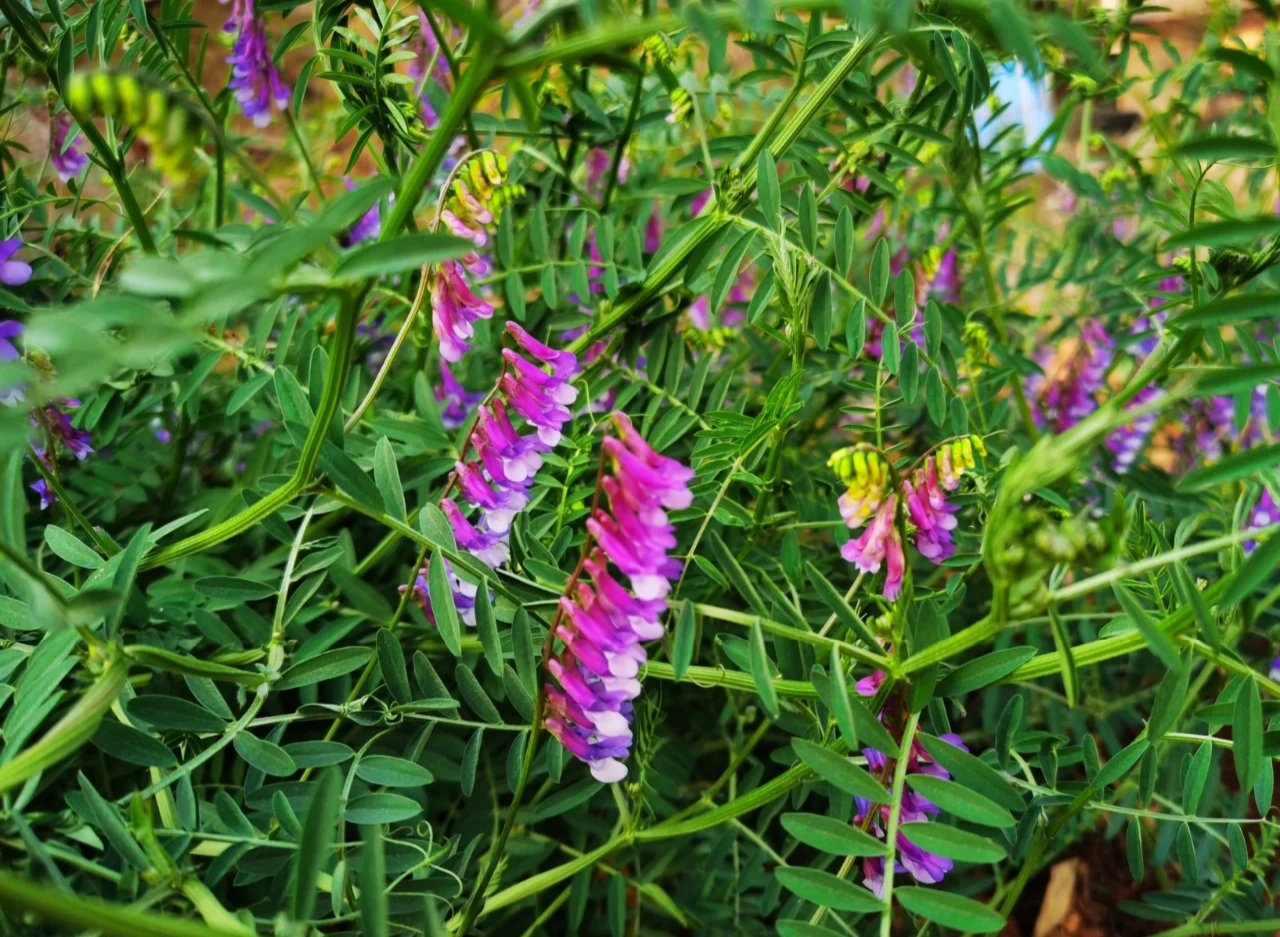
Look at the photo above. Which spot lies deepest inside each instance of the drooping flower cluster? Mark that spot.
(497, 481)
(924, 866)
(602, 625)
(65, 155)
(870, 500)
(1067, 390)
(473, 203)
(254, 77)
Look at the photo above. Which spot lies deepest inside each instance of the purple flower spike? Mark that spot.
(254, 77)
(13, 272)
(602, 626)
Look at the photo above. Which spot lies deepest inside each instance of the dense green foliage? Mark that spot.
(979, 570)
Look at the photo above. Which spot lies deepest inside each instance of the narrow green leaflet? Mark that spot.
(266, 756)
(832, 836)
(983, 671)
(1160, 643)
(1246, 734)
(442, 608)
(71, 548)
(403, 253)
(758, 658)
(319, 830)
(840, 771)
(827, 890)
(684, 641)
(387, 478)
(954, 911)
(960, 802)
(954, 843)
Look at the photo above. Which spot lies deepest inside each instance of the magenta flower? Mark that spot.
(254, 77)
(880, 544)
(13, 272)
(922, 865)
(653, 232)
(496, 483)
(454, 310)
(598, 162)
(932, 516)
(65, 155)
(601, 626)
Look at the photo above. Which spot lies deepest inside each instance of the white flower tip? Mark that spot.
(608, 771)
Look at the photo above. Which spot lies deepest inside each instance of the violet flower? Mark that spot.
(497, 482)
(456, 402)
(464, 595)
(428, 64)
(369, 227)
(13, 272)
(920, 864)
(1066, 392)
(1264, 514)
(602, 628)
(1127, 442)
(57, 422)
(65, 155)
(254, 77)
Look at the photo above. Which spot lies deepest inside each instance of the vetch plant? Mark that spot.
(617, 469)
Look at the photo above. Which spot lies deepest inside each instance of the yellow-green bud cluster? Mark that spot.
(977, 344)
(681, 105)
(160, 121)
(658, 49)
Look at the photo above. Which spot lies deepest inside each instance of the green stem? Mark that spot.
(36, 47)
(895, 818)
(472, 910)
(339, 366)
(88, 914)
(70, 732)
(481, 65)
(51, 479)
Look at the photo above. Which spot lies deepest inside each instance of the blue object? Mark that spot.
(1026, 102)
